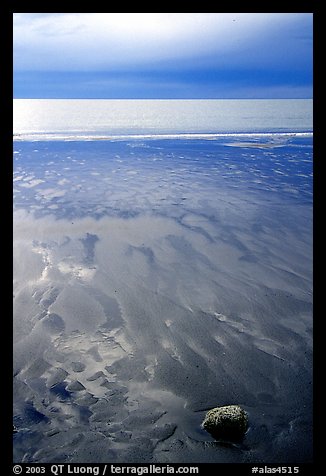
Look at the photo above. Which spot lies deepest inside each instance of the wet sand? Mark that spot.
(139, 303)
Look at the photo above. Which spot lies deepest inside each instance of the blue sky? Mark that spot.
(163, 55)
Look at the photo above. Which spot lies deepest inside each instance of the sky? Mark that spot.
(163, 55)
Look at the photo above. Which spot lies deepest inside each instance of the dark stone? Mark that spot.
(226, 423)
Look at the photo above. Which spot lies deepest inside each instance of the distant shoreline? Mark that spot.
(205, 136)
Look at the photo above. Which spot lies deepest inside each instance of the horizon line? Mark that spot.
(165, 99)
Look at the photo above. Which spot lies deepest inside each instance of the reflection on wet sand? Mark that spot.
(128, 328)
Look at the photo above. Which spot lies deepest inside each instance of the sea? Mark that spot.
(74, 119)
(162, 267)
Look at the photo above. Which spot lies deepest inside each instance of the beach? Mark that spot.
(155, 279)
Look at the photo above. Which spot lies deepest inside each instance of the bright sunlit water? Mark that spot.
(82, 118)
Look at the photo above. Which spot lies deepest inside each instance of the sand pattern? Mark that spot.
(140, 305)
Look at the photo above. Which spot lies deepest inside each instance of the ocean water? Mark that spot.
(107, 119)
(162, 267)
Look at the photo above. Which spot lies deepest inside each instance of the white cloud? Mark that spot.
(78, 41)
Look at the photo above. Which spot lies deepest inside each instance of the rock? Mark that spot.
(230, 422)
